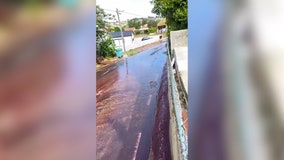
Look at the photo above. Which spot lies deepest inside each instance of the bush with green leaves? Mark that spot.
(137, 32)
(153, 30)
(146, 31)
(106, 47)
(116, 29)
(136, 23)
(104, 42)
(175, 12)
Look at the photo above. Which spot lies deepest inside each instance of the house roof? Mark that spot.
(129, 29)
(161, 23)
(118, 34)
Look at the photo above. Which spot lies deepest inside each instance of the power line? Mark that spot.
(124, 12)
(109, 10)
(133, 14)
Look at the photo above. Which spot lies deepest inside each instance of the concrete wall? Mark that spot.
(179, 38)
(138, 43)
(128, 42)
(179, 50)
(179, 43)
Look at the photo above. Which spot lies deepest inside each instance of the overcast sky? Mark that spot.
(140, 7)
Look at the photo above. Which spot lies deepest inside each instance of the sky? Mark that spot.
(142, 8)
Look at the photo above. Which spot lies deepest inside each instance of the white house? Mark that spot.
(128, 39)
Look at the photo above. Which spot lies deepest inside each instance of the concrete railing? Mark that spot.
(178, 135)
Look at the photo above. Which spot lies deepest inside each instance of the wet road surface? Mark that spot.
(160, 137)
(126, 105)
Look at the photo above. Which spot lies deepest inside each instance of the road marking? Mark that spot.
(98, 93)
(149, 100)
(106, 72)
(136, 146)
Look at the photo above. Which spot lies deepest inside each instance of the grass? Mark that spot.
(144, 35)
(131, 52)
(151, 34)
(164, 34)
(140, 35)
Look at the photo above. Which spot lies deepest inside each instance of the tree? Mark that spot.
(104, 43)
(175, 12)
(152, 23)
(144, 21)
(116, 29)
(136, 23)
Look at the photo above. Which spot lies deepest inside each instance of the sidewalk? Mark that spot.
(181, 54)
(179, 48)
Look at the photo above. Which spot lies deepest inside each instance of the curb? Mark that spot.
(114, 62)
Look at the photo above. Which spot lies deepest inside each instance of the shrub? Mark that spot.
(137, 32)
(106, 47)
(153, 30)
(116, 29)
(131, 52)
(146, 31)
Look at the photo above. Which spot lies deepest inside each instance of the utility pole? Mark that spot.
(121, 32)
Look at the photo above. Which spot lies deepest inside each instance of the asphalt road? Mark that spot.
(126, 105)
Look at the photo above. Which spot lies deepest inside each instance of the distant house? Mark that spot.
(143, 28)
(128, 39)
(129, 29)
(161, 27)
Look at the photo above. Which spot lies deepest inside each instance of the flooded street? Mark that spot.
(126, 105)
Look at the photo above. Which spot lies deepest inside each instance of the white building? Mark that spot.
(128, 39)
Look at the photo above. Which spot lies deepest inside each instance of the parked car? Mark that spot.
(145, 38)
